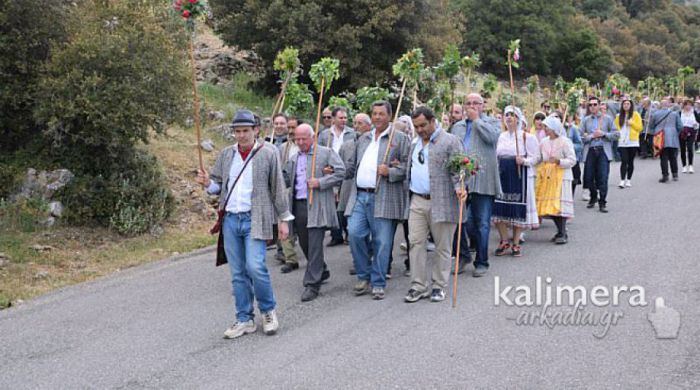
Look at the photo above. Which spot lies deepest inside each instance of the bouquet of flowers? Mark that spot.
(464, 165)
(190, 10)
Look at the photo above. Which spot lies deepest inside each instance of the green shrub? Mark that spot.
(131, 201)
(22, 215)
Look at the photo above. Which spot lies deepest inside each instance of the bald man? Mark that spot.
(313, 218)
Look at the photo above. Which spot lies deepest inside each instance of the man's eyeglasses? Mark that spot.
(592, 104)
(473, 103)
(327, 117)
(421, 157)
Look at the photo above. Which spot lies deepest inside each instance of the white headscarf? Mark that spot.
(522, 123)
(409, 124)
(553, 123)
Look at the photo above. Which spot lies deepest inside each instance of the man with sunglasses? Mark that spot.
(434, 205)
(326, 118)
(598, 133)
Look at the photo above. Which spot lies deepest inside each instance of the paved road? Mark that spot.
(160, 326)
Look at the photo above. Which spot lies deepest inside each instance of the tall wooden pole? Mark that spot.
(196, 104)
(391, 134)
(459, 243)
(318, 123)
(512, 99)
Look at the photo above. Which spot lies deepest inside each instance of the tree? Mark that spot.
(366, 36)
(28, 30)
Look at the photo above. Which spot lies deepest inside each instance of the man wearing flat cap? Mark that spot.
(248, 178)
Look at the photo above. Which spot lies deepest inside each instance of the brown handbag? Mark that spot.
(220, 252)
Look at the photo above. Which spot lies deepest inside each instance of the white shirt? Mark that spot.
(688, 120)
(367, 171)
(337, 140)
(241, 198)
(625, 141)
(420, 173)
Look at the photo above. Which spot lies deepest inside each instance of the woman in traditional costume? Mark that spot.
(554, 195)
(518, 153)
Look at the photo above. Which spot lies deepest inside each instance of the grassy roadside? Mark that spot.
(73, 255)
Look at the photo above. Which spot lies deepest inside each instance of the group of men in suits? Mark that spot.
(306, 188)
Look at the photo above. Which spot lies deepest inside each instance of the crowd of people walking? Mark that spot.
(362, 181)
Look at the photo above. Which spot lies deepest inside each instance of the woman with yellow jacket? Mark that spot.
(629, 123)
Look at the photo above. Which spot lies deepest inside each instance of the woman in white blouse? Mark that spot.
(688, 135)
(516, 208)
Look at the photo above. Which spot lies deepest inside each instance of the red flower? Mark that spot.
(177, 5)
(193, 1)
(466, 160)
(185, 14)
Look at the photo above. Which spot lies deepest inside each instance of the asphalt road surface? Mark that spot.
(161, 325)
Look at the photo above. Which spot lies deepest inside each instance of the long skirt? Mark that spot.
(517, 204)
(554, 193)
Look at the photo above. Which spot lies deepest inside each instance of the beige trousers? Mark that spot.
(289, 251)
(419, 225)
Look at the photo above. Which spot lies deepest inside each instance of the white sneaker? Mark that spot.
(685, 169)
(270, 323)
(690, 169)
(628, 183)
(430, 246)
(239, 329)
(622, 184)
(586, 194)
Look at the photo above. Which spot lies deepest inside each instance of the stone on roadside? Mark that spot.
(4, 259)
(43, 184)
(41, 275)
(216, 115)
(56, 209)
(42, 248)
(207, 145)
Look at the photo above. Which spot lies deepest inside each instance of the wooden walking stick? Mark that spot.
(318, 122)
(391, 133)
(514, 54)
(459, 243)
(197, 125)
(322, 73)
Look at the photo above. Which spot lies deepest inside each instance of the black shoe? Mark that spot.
(664, 179)
(556, 236)
(280, 257)
(353, 271)
(289, 267)
(325, 276)
(675, 177)
(336, 242)
(309, 294)
(603, 208)
(561, 240)
(591, 204)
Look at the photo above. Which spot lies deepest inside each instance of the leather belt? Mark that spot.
(370, 190)
(424, 196)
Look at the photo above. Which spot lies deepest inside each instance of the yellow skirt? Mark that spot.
(548, 189)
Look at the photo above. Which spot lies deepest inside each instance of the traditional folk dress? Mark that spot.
(517, 204)
(553, 188)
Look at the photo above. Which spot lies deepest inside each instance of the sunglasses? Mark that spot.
(546, 106)
(327, 117)
(421, 157)
(592, 104)
(509, 114)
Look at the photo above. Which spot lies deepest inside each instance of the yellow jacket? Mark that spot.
(635, 125)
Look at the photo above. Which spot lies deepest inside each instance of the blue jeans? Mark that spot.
(595, 176)
(246, 259)
(361, 225)
(479, 226)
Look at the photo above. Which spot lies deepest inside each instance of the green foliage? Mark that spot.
(490, 84)
(365, 96)
(366, 37)
(298, 100)
(340, 101)
(22, 215)
(506, 100)
(449, 67)
(287, 63)
(29, 29)
(131, 200)
(113, 82)
(410, 66)
(326, 70)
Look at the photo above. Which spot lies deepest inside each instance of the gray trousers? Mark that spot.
(311, 242)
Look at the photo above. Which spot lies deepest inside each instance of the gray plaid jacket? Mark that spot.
(390, 198)
(269, 201)
(322, 212)
(444, 205)
(482, 145)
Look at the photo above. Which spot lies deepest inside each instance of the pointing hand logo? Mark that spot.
(665, 320)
